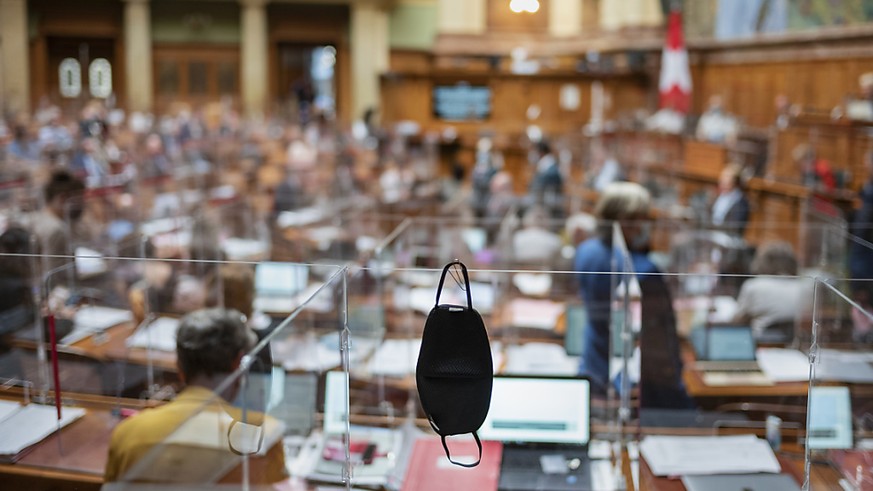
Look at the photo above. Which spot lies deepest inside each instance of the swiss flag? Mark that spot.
(675, 83)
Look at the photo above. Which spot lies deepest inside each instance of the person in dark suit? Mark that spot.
(730, 211)
(861, 245)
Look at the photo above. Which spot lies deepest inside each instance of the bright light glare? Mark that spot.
(519, 6)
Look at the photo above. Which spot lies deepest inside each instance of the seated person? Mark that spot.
(210, 346)
(17, 306)
(661, 366)
(769, 302)
(730, 210)
(715, 124)
(534, 243)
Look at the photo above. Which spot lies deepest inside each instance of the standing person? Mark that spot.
(209, 346)
(547, 186)
(861, 243)
(661, 366)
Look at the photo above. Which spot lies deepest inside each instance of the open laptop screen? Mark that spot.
(730, 343)
(538, 410)
(280, 279)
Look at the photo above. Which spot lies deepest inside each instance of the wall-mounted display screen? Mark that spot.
(461, 102)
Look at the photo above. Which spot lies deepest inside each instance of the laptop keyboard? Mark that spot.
(529, 460)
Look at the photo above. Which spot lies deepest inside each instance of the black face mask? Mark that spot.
(455, 373)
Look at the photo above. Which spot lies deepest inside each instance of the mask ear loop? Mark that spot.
(449, 454)
(464, 286)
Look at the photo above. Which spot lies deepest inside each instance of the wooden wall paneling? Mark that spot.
(511, 98)
(409, 61)
(38, 70)
(343, 83)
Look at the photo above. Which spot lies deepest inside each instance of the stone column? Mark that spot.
(14, 57)
(253, 57)
(138, 55)
(463, 16)
(565, 17)
(369, 53)
(615, 14)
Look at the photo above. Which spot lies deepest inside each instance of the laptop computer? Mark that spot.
(276, 285)
(724, 348)
(740, 482)
(544, 424)
(726, 356)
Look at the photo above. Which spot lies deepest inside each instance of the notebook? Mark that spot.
(430, 470)
(741, 482)
(544, 424)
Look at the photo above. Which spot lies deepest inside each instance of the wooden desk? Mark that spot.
(72, 459)
(111, 346)
(75, 458)
(698, 389)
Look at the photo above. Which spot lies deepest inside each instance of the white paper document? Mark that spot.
(395, 358)
(540, 359)
(238, 249)
(702, 455)
(31, 424)
(783, 365)
(159, 335)
(89, 263)
(844, 366)
(90, 320)
(539, 314)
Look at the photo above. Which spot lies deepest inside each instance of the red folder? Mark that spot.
(430, 470)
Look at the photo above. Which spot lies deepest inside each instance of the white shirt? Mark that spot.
(723, 205)
(767, 300)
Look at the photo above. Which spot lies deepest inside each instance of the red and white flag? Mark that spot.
(675, 83)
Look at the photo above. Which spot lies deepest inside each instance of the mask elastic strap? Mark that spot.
(449, 454)
(466, 282)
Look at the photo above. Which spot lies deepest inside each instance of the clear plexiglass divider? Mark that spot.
(534, 316)
(281, 415)
(839, 355)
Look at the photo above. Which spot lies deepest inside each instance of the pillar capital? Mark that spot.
(254, 4)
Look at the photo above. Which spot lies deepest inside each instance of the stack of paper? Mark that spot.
(540, 359)
(395, 358)
(22, 426)
(299, 218)
(699, 455)
(159, 335)
(783, 365)
(89, 263)
(540, 314)
(238, 249)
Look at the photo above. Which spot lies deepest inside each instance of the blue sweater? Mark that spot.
(661, 377)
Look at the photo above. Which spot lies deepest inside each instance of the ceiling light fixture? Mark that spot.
(519, 6)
